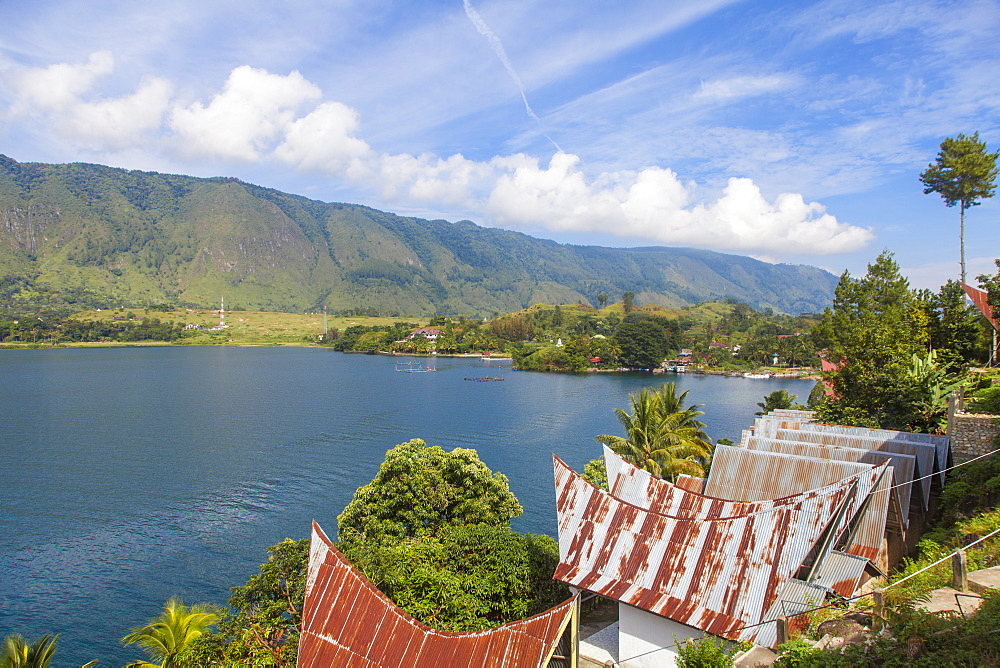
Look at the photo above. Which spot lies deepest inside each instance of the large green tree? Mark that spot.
(662, 434)
(644, 343)
(465, 577)
(170, 632)
(873, 330)
(432, 531)
(956, 330)
(963, 173)
(420, 488)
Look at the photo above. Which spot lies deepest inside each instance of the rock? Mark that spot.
(859, 638)
(915, 647)
(841, 627)
(754, 657)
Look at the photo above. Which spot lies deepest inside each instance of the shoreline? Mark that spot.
(805, 374)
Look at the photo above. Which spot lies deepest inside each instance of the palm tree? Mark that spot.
(779, 399)
(171, 631)
(662, 435)
(17, 653)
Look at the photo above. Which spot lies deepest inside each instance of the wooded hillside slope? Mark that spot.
(94, 236)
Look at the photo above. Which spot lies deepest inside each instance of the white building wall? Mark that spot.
(646, 640)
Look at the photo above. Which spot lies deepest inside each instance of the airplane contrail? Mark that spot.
(497, 45)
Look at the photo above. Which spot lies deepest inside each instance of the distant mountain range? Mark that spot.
(88, 235)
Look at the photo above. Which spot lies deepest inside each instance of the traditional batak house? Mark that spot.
(347, 621)
(778, 525)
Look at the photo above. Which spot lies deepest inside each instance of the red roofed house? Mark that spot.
(347, 621)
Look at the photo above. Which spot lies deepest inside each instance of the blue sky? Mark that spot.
(788, 131)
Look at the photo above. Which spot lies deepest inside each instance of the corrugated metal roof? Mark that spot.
(924, 453)
(981, 299)
(797, 596)
(792, 412)
(632, 484)
(639, 487)
(941, 444)
(841, 572)
(720, 575)
(903, 466)
(347, 621)
(753, 475)
(691, 483)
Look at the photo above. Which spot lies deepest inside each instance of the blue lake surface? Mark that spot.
(130, 475)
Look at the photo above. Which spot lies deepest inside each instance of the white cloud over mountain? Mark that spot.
(259, 116)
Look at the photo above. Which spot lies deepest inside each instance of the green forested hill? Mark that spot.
(89, 235)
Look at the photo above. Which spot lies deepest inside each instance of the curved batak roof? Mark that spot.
(860, 518)
(981, 299)
(346, 621)
(716, 565)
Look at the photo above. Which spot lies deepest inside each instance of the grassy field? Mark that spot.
(247, 327)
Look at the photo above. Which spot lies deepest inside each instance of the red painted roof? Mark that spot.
(347, 621)
(979, 298)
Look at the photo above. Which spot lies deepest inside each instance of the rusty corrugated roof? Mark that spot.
(641, 488)
(981, 299)
(752, 475)
(691, 483)
(721, 575)
(630, 483)
(941, 444)
(841, 572)
(347, 621)
(903, 466)
(924, 453)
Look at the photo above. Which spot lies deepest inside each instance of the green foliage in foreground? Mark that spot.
(987, 400)
(705, 652)
(662, 434)
(19, 653)
(420, 489)
(912, 637)
(263, 623)
(167, 635)
(432, 531)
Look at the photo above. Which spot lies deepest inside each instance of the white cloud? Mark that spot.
(655, 205)
(254, 109)
(325, 140)
(744, 86)
(124, 121)
(259, 117)
(62, 95)
(58, 87)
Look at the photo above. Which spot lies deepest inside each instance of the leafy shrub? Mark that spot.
(987, 400)
(705, 652)
(800, 654)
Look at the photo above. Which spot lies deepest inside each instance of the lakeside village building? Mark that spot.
(796, 512)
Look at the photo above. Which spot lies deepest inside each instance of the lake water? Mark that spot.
(133, 474)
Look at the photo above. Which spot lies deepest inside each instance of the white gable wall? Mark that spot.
(646, 640)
